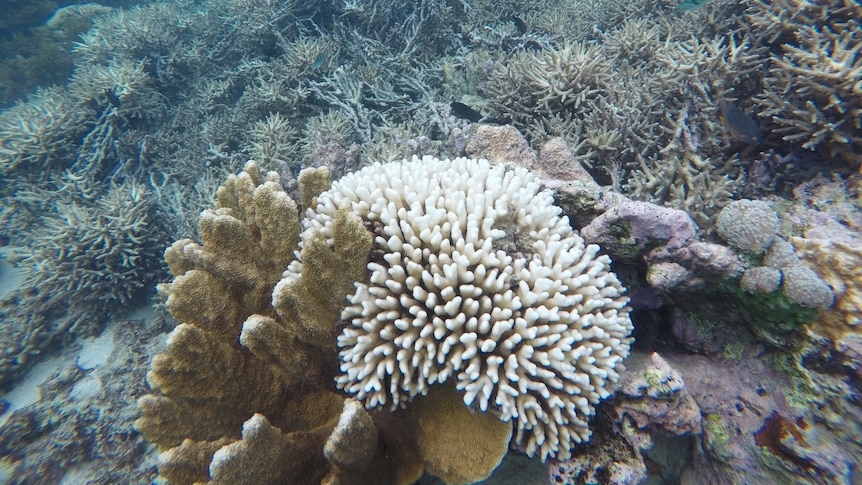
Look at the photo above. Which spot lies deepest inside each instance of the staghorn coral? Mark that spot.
(556, 81)
(122, 84)
(272, 139)
(812, 89)
(684, 180)
(40, 133)
(85, 262)
(636, 40)
(508, 302)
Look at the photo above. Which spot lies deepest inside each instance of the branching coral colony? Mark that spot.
(466, 277)
(812, 90)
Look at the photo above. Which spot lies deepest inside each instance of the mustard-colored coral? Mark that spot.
(312, 182)
(355, 428)
(458, 444)
(839, 264)
(315, 290)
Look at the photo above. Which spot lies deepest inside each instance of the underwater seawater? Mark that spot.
(431, 242)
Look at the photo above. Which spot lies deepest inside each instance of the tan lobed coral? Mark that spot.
(508, 301)
(245, 390)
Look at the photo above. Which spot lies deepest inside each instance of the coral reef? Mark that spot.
(653, 402)
(627, 113)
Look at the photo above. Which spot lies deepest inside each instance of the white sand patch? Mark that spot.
(143, 312)
(26, 392)
(95, 351)
(79, 473)
(10, 277)
(88, 387)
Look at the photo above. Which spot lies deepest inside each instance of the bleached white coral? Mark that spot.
(475, 276)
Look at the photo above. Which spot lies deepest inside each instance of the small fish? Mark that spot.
(741, 126)
(519, 24)
(689, 4)
(463, 111)
(112, 98)
(318, 61)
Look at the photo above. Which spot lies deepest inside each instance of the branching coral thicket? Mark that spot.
(83, 263)
(77, 210)
(813, 89)
(271, 139)
(124, 83)
(696, 169)
(557, 81)
(40, 132)
(407, 27)
(639, 102)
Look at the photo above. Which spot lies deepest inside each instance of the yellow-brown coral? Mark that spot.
(457, 444)
(839, 264)
(234, 364)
